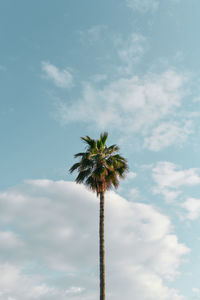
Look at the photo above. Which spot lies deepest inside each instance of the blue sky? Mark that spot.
(75, 68)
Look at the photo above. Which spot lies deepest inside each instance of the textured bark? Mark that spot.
(101, 248)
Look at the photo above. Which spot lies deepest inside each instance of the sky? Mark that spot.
(75, 68)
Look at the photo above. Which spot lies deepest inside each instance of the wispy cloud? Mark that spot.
(143, 5)
(168, 133)
(130, 50)
(92, 34)
(131, 175)
(61, 78)
(170, 178)
(134, 105)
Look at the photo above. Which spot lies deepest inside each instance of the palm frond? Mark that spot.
(112, 149)
(119, 157)
(91, 183)
(112, 179)
(121, 172)
(82, 176)
(86, 163)
(100, 171)
(79, 154)
(103, 137)
(74, 167)
(99, 144)
(88, 141)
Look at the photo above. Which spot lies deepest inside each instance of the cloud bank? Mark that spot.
(49, 245)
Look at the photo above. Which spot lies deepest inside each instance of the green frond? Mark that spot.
(79, 154)
(82, 176)
(91, 183)
(121, 172)
(103, 137)
(97, 157)
(109, 162)
(112, 179)
(86, 163)
(112, 149)
(74, 167)
(89, 141)
(119, 157)
(86, 139)
(100, 171)
(115, 182)
(99, 144)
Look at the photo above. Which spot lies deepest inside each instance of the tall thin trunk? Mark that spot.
(101, 248)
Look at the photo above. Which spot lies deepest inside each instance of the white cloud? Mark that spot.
(192, 205)
(131, 175)
(128, 105)
(167, 174)
(61, 78)
(93, 34)
(134, 194)
(130, 50)
(196, 290)
(168, 133)
(74, 290)
(99, 78)
(59, 225)
(16, 285)
(9, 240)
(143, 5)
(169, 178)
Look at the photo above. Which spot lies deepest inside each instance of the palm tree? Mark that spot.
(100, 168)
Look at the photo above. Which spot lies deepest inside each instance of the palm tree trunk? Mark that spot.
(101, 248)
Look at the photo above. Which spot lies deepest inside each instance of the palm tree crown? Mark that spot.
(100, 167)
